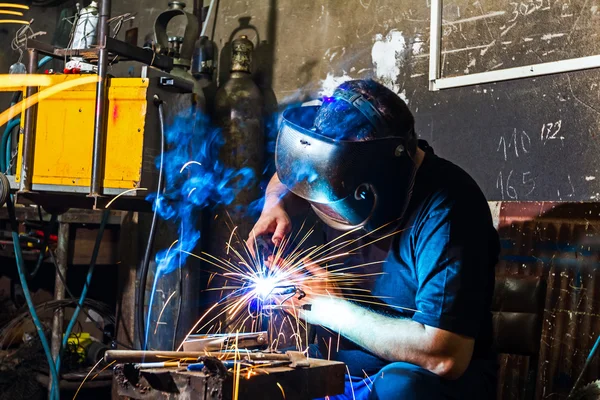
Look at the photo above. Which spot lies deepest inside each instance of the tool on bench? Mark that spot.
(222, 341)
(295, 359)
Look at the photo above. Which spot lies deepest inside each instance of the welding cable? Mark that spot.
(588, 361)
(12, 124)
(54, 394)
(141, 294)
(210, 8)
(44, 61)
(86, 286)
(87, 303)
(43, 250)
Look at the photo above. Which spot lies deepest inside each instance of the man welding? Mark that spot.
(357, 162)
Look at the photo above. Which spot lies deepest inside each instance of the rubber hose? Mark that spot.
(86, 286)
(44, 61)
(42, 255)
(141, 294)
(22, 277)
(5, 142)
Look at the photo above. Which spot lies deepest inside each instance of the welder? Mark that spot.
(357, 162)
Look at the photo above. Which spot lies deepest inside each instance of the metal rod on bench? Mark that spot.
(29, 132)
(100, 123)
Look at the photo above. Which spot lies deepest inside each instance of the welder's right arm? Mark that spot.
(274, 218)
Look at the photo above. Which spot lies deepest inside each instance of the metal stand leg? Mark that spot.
(29, 133)
(62, 257)
(100, 123)
(129, 245)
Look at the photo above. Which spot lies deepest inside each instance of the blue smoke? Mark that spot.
(195, 178)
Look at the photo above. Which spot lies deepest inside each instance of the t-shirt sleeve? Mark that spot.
(452, 259)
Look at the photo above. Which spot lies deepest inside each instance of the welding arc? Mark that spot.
(152, 234)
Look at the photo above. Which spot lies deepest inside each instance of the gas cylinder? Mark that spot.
(85, 27)
(238, 112)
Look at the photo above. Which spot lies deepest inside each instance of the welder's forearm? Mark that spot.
(277, 194)
(393, 339)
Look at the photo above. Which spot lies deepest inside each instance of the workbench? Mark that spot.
(322, 378)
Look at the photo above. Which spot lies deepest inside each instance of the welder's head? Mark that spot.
(352, 157)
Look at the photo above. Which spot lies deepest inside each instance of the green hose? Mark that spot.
(86, 286)
(6, 143)
(23, 278)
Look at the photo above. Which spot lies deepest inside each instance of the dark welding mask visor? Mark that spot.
(338, 178)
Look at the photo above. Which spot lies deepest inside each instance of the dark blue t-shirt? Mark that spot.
(438, 271)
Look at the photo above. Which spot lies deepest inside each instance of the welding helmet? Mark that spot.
(349, 184)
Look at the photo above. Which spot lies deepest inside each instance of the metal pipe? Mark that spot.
(100, 122)
(62, 257)
(29, 132)
(137, 356)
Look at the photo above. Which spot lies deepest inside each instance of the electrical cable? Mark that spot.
(44, 61)
(42, 255)
(6, 142)
(588, 361)
(210, 8)
(86, 286)
(22, 277)
(141, 294)
(180, 300)
(12, 124)
(74, 300)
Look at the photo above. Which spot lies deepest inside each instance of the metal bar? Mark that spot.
(435, 39)
(29, 132)
(554, 67)
(136, 53)
(135, 356)
(101, 103)
(62, 257)
(42, 47)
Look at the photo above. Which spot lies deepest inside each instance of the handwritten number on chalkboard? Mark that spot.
(528, 182)
(551, 130)
(500, 184)
(531, 6)
(515, 12)
(517, 141)
(525, 139)
(508, 189)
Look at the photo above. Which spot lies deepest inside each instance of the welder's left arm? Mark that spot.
(444, 353)
(455, 282)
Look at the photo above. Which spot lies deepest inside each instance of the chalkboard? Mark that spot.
(488, 35)
(545, 147)
(522, 140)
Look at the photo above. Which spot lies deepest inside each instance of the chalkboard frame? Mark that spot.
(437, 82)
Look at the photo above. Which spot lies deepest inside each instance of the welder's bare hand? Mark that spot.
(318, 282)
(273, 220)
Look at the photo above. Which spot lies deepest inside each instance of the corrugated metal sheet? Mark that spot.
(560, 242)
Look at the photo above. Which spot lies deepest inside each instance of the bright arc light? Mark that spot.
(264, 286)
